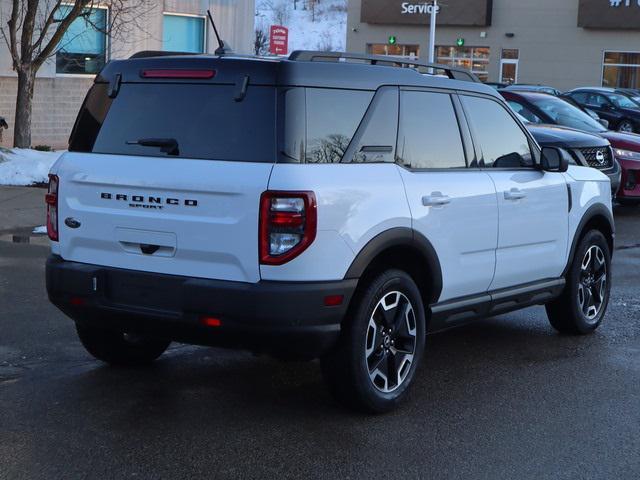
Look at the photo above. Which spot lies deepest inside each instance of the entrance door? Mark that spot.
(509, 71)
(509, 65)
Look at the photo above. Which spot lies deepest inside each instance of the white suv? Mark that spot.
(329, 209)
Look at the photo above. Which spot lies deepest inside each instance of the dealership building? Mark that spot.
(562, 43)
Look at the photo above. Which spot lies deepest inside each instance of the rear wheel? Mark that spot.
(584, 301)
(118, 348)
(381, 345)
(625, 126)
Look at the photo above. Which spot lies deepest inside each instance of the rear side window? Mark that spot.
(429, 135)
(502, 141)
(204, 120)
(375, 140)
(333, 116)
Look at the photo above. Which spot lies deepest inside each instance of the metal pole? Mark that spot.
(432, 32)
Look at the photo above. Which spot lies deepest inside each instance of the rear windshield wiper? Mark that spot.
(167, 145)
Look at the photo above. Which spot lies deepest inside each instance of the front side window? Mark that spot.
(429, 135)
(502, 141)
(83, 47)
(565, 114)
(524, 112)
(183, 33)
(621, 101)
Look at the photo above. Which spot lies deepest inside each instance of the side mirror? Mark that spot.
(554, 160)
(604, 123)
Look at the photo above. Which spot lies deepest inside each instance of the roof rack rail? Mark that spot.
(158, 53)
(453, 73)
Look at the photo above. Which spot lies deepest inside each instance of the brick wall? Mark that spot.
(55, 107)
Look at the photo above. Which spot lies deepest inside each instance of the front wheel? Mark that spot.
(118, 348)
(381, 345)
(625, 126)
(581, 307)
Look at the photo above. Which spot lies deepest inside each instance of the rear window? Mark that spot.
(204, 120)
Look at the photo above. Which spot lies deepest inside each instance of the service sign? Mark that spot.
(609, 14)
(476, 13)
(279, 40)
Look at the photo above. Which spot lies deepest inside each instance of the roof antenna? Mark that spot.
(222, 48)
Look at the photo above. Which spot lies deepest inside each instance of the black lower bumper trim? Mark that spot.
(287, 318)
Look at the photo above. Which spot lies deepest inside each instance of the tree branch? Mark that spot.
(13, 33)
(47, 24)
(75, 12)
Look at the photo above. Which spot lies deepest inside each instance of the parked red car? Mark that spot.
(541, 108)
(626, 147)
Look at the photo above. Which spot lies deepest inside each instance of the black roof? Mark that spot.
(333, 70)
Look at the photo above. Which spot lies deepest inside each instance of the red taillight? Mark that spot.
(51, 198)
(288, 223)
(211, 321)
(165, 73)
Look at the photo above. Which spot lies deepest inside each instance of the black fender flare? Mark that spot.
(400, 237)
(592, 212)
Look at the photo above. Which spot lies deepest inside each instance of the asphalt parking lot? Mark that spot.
(503, 398)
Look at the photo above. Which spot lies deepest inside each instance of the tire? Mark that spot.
(583, 304)
(117, 348)
(626, 126)
(377, 339)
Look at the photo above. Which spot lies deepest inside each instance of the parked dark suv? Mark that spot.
(621, 111)
(548, 111)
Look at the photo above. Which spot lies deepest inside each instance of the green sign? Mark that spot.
(460, 42)
(392, 40)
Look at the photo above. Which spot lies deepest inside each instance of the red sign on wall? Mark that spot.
(279, 40)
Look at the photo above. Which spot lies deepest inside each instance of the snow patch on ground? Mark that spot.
(327, 31)
(22, 166)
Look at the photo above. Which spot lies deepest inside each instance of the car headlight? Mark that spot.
(627, 154)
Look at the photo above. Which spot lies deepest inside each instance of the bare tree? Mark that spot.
(33, 34)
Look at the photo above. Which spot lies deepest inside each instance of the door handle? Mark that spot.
(436, 199)
(514, 194)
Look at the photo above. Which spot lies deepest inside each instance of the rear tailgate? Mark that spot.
(166, 165)
(181, 217)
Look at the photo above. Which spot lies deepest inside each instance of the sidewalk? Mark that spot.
(21, 209)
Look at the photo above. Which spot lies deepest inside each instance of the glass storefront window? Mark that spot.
(410, 51)
(621, 70)
(82, 49)
(475, 59)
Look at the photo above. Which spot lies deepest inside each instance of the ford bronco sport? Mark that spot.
(326, 206)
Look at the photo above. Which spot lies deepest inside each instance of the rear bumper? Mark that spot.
(287, 318)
